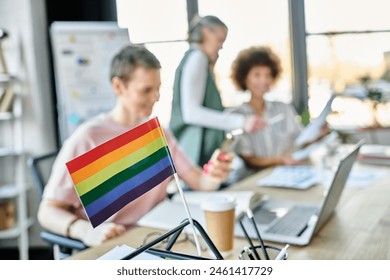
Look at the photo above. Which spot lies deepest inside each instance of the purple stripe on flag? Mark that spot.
(122, 201)
(121, 189)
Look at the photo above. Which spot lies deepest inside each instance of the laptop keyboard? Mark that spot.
(296, 177)
(294, 222)
(264, 216)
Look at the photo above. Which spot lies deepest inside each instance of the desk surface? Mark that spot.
(359, 228)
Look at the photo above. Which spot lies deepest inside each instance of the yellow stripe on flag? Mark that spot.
(118, 166)
(98, 165)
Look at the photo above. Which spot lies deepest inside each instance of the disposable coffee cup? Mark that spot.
(219, 214)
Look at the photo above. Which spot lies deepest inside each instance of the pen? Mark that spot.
(249, 240)
(282, 253)
(249, 253)
(275, 119)
(237, 132)
(250, 216)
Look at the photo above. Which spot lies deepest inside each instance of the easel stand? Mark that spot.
(174, 234)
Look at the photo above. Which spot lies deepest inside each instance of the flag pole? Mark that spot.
(188, 214)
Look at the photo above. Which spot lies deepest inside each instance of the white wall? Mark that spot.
(27, 57)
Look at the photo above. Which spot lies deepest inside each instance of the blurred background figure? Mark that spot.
(197, 117)
(256, 70)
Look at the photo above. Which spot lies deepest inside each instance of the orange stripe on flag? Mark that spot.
(101, 163)
(111, 145)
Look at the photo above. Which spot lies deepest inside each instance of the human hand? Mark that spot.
(217, 170)
(324, 131)
(288, 160)
(82, 230)
(254, 123)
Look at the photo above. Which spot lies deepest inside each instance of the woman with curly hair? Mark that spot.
(256, 70)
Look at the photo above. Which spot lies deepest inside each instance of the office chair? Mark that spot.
(63, 246)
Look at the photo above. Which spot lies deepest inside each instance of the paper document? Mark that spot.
(359, 178)
(119, 252)
(170, 213)
(244, 199)
(312, 131)
(294, 177)
(305, 152)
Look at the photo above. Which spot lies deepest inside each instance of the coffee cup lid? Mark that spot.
(218, 203)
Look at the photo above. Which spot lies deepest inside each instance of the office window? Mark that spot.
(347, 43)
(163, 30)
(169, 55)
(334, 15)
(251, 22)
(153, 21)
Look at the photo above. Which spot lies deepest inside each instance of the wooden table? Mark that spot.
(359, 228)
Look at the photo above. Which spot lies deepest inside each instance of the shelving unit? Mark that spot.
(13, 185)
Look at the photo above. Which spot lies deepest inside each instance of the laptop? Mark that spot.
(296, 223)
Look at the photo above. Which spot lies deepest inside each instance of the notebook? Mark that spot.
(296, 223)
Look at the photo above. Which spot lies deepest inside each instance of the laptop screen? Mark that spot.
(337, 186)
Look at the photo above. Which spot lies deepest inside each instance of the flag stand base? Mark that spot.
(174, 234)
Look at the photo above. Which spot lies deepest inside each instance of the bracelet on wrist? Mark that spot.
(70, 225)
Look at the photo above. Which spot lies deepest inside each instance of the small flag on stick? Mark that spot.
(120, 170)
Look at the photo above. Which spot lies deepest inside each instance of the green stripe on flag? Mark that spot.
(102, 176)
(123, 176)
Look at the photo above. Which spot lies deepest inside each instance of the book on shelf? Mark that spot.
(170, 212)
(375, 154)
(6, 100)
(2, 93)
(7, 215)
(6, 78)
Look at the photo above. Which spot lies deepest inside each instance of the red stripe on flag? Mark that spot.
(111, 145)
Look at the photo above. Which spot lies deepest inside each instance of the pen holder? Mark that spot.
(272, 252)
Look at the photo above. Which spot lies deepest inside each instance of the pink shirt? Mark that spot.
(90, 134)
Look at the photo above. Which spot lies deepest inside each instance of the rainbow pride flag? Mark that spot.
(120, 170)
